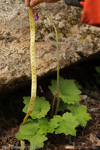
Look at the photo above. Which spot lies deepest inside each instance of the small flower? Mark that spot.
(41, 89)
(35, 14)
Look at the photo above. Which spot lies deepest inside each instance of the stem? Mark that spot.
(22, 145)
(53, 106)
(58, 99)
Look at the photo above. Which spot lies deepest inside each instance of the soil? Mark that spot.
(87, 138)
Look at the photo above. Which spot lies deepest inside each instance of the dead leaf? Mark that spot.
(94, 140)
(98, 143)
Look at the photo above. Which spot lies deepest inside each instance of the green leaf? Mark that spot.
(26, 128)
(98, 69)
(46, 126)
(43, 125)
(30, 128)
(37, 141)
(78, 85)
(68, 91)
(29, 132)
(62, 106)
(65, 124)
(53, 124)
(41, 107)
(80, 112)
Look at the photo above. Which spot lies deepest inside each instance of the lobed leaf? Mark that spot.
(68, 91)
(65, 124)
(54, 124)
(78, 85)
(43, 125)
(29, 132)
(62, 106)
(41, 107)
(80, 112)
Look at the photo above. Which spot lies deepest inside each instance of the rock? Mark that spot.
(76, 40)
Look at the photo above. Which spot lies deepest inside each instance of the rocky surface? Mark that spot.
(76, 41)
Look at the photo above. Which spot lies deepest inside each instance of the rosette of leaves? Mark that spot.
(68, 91)
(74, 114)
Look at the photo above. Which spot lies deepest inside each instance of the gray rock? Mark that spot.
(76, 40)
